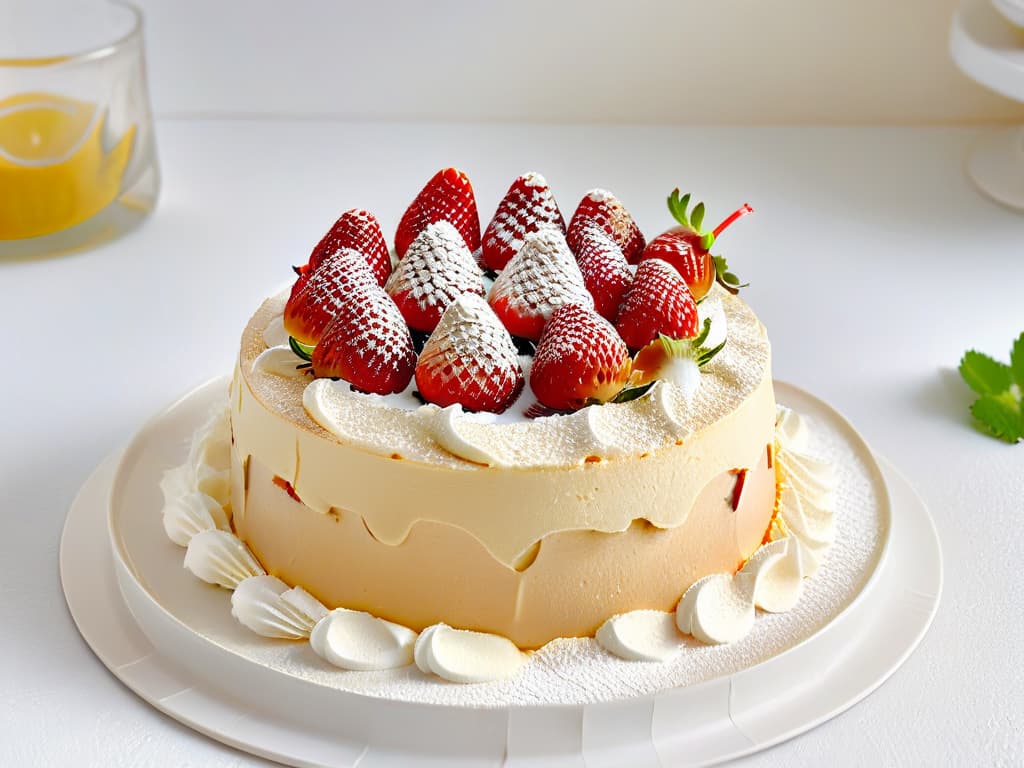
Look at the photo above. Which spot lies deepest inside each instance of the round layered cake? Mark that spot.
(529, 528)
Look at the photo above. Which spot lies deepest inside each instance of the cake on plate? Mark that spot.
(463, 449)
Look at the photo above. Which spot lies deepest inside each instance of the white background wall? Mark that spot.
(646, 61)
(681, 61)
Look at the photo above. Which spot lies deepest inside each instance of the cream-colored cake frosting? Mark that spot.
(529, 529)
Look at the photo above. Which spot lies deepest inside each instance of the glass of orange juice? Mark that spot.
(78, 163)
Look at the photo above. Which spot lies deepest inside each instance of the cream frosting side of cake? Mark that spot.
(583, 471)
(719, 608)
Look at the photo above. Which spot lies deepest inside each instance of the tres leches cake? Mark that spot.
(455, 453)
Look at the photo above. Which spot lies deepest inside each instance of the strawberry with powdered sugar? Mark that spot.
(527, 207)
(448, 196)
(367, 344)
(604, 209)
(436, 270)
(658, 303)
(360, 231)
(318, 295)
(605, 271)
(469, 359)
(540, 278)
(580, 360)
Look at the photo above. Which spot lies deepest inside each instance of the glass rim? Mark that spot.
(100, 51)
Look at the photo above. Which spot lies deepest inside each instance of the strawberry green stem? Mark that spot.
(739, 213)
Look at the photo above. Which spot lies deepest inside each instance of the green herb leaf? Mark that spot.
(999, 417)
(985, 375)
(1017, 361)
(999, 411)
(301, 350)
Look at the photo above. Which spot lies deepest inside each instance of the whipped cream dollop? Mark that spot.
(274, 335)
(219, 557)
(642, 635)
(269, 607)
(464, 656)
(357, 640)
(197, 492)
(778, 571)
(719, 608)
(280, 361)
(192, 513)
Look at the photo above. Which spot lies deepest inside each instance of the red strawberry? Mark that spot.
(367, 344)
(360, 231)
(658, 302)
(527, 207)
(469, 359)
(580, 359)
(449, 196)
(603, 208)
(540, 278)
(317, 295)
(605, 270)
(436, 270)
(687, 249)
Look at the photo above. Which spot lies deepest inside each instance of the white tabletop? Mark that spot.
(872, 261)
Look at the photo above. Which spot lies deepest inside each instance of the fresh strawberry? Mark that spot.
(436, 270)
(360, 231)
(658, 302)
(449, 196)
(603, 208)
(605, 270)
(540, 278)
(527, 207)
(367, 344)
(687, 249)
(317, 295)
(469, 359)
(580, 360)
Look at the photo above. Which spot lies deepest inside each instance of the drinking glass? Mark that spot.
(78, 164)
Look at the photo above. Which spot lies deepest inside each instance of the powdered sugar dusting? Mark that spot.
(367, 343)
(469, 353)
(540, 278)
(436, 270)
(601, 207)
(527, 207)
(606, 273)
(318, 298)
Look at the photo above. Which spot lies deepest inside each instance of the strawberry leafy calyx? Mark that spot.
(304, 351)
(691, 220)
(694, 220)
(692, 348)
(675, 360)
(725, 278)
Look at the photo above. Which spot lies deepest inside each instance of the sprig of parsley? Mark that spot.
(998, 409)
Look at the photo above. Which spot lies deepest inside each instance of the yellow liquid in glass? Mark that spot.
(54, 171)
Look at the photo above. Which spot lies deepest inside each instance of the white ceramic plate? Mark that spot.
(203, 680)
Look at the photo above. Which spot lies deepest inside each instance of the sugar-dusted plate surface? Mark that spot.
(194, 662)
